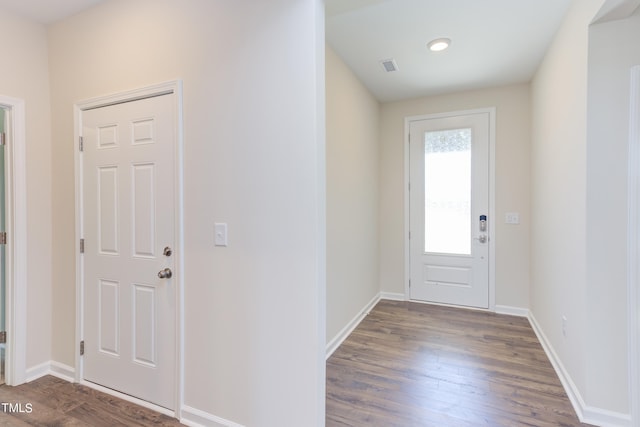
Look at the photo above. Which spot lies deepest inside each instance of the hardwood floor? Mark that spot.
(50, 401)
(410, 364)
(405, 365)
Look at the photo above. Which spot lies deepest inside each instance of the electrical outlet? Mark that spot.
(220, 230)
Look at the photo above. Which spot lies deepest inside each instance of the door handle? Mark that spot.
(165, 273)
(481, 238)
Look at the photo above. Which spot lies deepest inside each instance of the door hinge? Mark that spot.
(3, 237)
(3, 138)
(81, 143)
(3, 337)
(81, 246)
(409, 235)
(82, 348)
(409, 283)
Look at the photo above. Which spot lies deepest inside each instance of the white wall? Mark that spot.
(558, 156)
(512, 185)
(578, 200)
(24, 75)
(611, 55)
(253, 98)
(352, 195)
(253, 75)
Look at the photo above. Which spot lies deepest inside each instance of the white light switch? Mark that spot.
(512, 218)
(220, 234)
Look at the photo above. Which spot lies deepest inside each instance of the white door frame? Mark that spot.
(633, 247)
(16, 253)
(492, 205)
(175, 88)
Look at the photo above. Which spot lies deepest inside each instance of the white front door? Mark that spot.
(128, 197)
(449, 209)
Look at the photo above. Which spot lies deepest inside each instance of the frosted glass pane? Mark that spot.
(447, 189)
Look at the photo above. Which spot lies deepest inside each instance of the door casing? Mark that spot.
(633, 246)
(16, 253)
(492, 211)
(175, 88)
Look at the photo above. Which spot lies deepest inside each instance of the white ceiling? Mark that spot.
(46, 11)
(494, 42)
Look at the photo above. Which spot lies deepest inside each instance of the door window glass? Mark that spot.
(447, 189)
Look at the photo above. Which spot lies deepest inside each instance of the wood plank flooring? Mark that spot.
(55, 402)
(405, 365)
(410, 364)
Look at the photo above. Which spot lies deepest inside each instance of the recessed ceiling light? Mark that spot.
(438, 45)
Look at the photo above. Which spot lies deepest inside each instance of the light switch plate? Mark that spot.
(512, 218)
(220, 230)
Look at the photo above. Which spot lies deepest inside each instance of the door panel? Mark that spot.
(128, 218)
(144, 220)
(108, 210)
(108, 317)
(448, 198)
(144, 320)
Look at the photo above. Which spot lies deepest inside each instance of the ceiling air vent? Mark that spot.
(389, 65)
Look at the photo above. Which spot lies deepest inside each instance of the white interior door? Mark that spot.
(128, 194)
(449, 210)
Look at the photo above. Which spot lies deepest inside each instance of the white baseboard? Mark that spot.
(605, 418)
(586, 414)
(392, 296)
(512, 311)
(56, 369)
(196, 418)
(62, 371)
(344, 333)
(38, 371)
